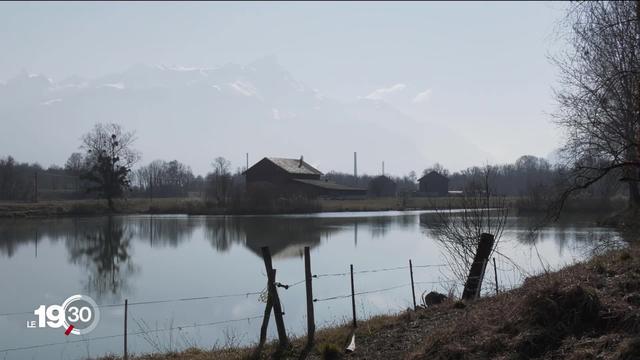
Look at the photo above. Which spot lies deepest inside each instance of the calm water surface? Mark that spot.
(149, 258)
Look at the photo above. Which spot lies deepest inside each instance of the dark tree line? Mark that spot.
(18, 181)
(165, 179)
(379, 185)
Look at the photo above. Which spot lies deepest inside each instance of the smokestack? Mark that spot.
(383, 168)
(355, 165)
(247, 162)
(301, 160)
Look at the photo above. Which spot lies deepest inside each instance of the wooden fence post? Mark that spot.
(273, 293)
(264, 326)
(495, 272)
(476, 272)
(353, 300)
(311, 325)
(126, 308)
(413, 289)
(479, 287)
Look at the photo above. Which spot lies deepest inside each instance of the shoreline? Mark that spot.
(196, 206)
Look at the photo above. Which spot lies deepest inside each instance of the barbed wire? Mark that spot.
(286, 287)
(361, 293)
(377, 270)
(429, 265)
(149, 302)
(141, 332)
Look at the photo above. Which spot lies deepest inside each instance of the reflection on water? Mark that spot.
(165, 257)
(106, 240)
(102, 245)
(104, 251)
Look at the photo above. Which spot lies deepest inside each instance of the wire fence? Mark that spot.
(504, 268)
(141, 332)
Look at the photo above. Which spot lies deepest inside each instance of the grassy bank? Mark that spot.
(197, 206)
(99, 207)
(589, 310)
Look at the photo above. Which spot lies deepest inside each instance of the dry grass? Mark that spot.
(197, 206)
(586, 311)
(99, 207)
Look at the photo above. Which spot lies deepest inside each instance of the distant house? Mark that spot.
(382, 186)
(294, 177)
(434, 184)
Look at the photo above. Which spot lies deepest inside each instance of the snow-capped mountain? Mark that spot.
(196, 114)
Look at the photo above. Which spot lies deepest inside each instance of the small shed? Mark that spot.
(434, 184)
(382, 186)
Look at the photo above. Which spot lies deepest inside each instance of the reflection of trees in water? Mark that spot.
(572, 232)
(278, 232)
(222, 232)
(104, 251)
(162, 231)
(17, 232)
(379, 226)
(157, 231)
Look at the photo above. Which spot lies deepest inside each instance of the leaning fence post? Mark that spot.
(479, 287)
(476, 272)
(273, 293)
(264, 326)
(126, 307)
(413, 289)
(353, 299)
(495, 272)
(311, 326)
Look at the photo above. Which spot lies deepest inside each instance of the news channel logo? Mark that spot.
(77, 315)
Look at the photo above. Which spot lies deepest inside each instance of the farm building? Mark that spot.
(434, 184)
(295, 177)
(382, 186)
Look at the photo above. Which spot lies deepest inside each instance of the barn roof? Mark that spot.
(432, 174)
(294, 166)
(329, 185)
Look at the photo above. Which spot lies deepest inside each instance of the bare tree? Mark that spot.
(458, 228)
(111, 156)
(220, 180)
(162, 178)
(600, 95)
(76, 164)
(437, 167)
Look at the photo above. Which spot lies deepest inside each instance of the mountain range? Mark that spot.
(196, 114)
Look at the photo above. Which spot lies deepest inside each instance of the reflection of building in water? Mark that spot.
(284, 234)
(287, 236)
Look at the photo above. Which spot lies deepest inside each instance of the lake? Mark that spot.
(195, 280)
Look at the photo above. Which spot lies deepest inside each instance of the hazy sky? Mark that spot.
(479, 68)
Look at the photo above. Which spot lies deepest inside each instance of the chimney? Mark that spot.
(301, 160)
(355, 165)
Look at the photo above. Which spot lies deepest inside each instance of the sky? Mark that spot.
(482, 69)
